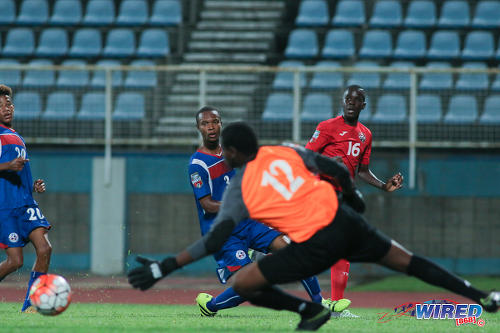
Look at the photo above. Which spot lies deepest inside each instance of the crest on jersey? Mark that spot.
(362, 137)
(196, 180)
(240, 254)
(315, 136)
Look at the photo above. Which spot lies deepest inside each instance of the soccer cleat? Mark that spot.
(29, 310)
(336, 306)
(315, 322)
(202, 299)
(348, 314)
(491, 303)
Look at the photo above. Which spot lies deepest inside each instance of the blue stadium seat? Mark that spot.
(153, 43)
(339, 43)
(365, 80)
(166, 13)
(495, 85)
(454, 14)
(20, 42)
(141, 79)
(376, 44)
(317, 107)
(486, 16)
(429, 109)
(73, 78)
(129, 106)
(410, 45)
(387, 14)
(120, 43)
(53, 42)
(302, 43)
(66, 12)
(349, 13)
(473, 81)
(60, 106)
(390, 109)
(99, 77)
(398, 80)
(444, 45)
(462, 109)
(279, 107)
(93, 106)
(8, 12)
(99, 13)
(39, 78)
(491, 111)
(478, 45)
(312, 13)
(28, 105)
(132, 13)
(87, 43)
(10, 77)
(436, 81)
(33, 12)
(421, 14)
(327, 80)
(284, 80)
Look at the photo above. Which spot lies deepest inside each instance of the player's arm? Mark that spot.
(16, 164)
(392, 184)
(209, 205)
(39, 186)
(199, 179)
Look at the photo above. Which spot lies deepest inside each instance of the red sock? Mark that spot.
(339, 277)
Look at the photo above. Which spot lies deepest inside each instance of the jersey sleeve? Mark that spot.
(319, 140)
(368, 150)
(199, 180)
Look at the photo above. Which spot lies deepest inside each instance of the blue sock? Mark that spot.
(228, 299)
(313, 289)
(33, 277)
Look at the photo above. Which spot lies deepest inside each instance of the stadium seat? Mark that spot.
(8, 12)
(28, 105)
(387, 14)
(87, 43)
(473, 81)
(166, 13)
(284, 80)
(129, 106)
(429, 109)
(491, 111)
(312, 13)
(365, 80)
(66, 12)
(53, 42)
(39, 77)
(132, 13)
(486, 16)
(349, 13)
(444, 45)
(99, 13)
(327, 80)
(462, 109)
(279, 107)
(376, 44)
(302, 43)
(317, 107)
(33, 12)
(437, 81)
(20, 42)
(99, 77)
(478, 46)
(60, 106)
(495, 85)
(153, 43)
(454, 14)
(10, 77)
(398, 80)
(93, 106)
(410, 45)
(73, 78)
(390, 109)
(339, 43)
(141, 79)
(421, 14)
(120, 43)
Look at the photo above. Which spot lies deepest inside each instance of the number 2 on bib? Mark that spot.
(294, 183)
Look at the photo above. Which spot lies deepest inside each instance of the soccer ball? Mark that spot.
(50, 294)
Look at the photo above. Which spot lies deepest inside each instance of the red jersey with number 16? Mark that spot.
(333, 137)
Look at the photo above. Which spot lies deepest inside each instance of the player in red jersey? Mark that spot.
(345, 139)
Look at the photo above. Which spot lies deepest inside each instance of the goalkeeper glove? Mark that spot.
(355, 199)
(151, 271)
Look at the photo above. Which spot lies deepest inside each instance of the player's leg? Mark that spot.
(339, 274)
(209, 305)
(12, 263)
(11, 241)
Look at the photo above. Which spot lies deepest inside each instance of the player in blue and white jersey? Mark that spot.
(209, 176)
(21, 220)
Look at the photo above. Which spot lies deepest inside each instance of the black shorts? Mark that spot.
(348, 237)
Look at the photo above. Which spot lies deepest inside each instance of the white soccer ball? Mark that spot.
(50, 294)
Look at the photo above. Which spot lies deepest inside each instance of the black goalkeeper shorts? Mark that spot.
(348, 237)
